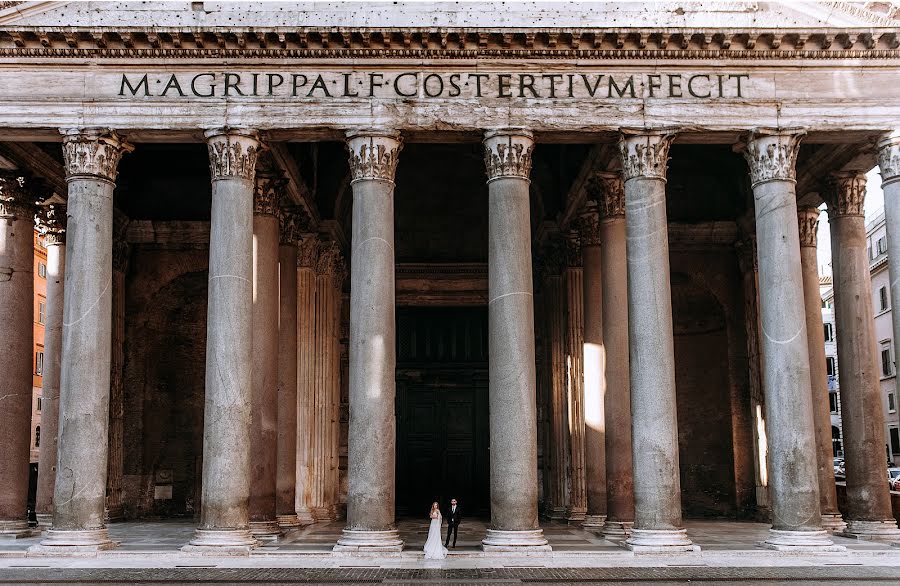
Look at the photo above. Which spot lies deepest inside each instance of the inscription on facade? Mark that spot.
(423, 84)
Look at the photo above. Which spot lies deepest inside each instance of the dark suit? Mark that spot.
(453, 519)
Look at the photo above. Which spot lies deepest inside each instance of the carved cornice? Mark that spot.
(608, 190)
(307, 251)
(373, 155)
(772, 155)
(573, 249)
(16, 199)
(808, 218)
(50, 221)
(589, 224)
(232, 153)
(93, 153)
(507, 153)
(645, 154)
(266, 194)
(889, 157)
(846, 194)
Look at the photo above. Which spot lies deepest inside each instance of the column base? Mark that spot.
(593, 523)
(833, 522)
(306, 517)
(265, 530)
(555, 513)
(617, 530)
(17, 529)
(73, 541)
(221, 542)
(361, 541)
(871, 530)
(328, 513)
(801, 541)
(45, 520)
(289, 521)
(660, 541)
(576, 514)
(497, 540)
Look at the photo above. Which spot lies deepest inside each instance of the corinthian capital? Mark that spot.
(645, 153)
(16, 200)
(307, 251)
(93, 153)
(573, 248)
(608, 189)
(232, 153)
(808, 218)
(50, 221)
(772, 155)
(291, 223)
(589, 225)
(330, 262)
(846, 194)
(373, 154)
(266, 194)
(889, 157)
(507, 153)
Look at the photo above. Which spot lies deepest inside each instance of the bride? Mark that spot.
(434, 549)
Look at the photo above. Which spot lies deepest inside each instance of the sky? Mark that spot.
(873, 206)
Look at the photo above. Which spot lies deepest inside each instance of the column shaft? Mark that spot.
(556, 319)
(115, 459)
(306, 356)
(577, 502)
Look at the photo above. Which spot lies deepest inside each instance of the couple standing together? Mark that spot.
(433, 548)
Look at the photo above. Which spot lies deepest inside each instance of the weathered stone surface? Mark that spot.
(286, 477)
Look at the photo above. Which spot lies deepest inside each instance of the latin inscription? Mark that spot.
(427, 85)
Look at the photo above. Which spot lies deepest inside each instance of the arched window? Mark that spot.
(37, 436)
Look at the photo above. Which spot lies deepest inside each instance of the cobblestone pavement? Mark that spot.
(462, 577)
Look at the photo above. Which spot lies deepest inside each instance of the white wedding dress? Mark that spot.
(434, 548)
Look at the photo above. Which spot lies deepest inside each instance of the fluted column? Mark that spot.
(793, 481)
(868, 497)
(513, 413)
(16, 346)
(91, 159)
(577, 502)
(224, 511)
(52, 225)
(372, 429)
(657, 486)
(286, 477)
(808, 218)
(594, 369)
(617, 403)
(264, 399)
(307, 256)
(115, 458)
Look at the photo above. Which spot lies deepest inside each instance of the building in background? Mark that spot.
(834, 395)
(40, 312)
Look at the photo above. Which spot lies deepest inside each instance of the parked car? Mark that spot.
(839, 473)
(893, 477)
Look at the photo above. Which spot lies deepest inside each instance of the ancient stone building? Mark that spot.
(340, 260)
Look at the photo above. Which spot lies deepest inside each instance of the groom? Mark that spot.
(453, 518)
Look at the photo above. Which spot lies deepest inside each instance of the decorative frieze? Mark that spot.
(589, 224)
(16, 200)
(609, 192)
(232, 153)
(846, 194)
(267, 194)
(373, 155)
(507, 153)
(772, 154)
(50, 221)
(889, 157)
(93, 153)
(808, 218)
(645, 154)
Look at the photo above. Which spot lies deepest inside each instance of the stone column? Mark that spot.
(577, 504)
(115, 458)
(52, 225)
(594, 369)
(286, 477)
(513, 418)
(617, 404)
(372, 429)
(306, 355)
(90, 161)
(224, 511)
(657, 495)
(862, 417)
(793, 482)
(16, 347)
(264, 400)
(815, 335)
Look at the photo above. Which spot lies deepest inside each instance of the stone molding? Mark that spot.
(772, 154)
(645, 153)
(50, 221)
(889, 157)
(16, 200)
(808, 218)
(93, 153)
(232, 153)
(589, 224)
(846, 194)
(290, 223)
(507, 153)
(608, 189)
(573, 249)
(267, 194)
(373, 155)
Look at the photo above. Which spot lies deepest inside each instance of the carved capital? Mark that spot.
(266, 194)
(889, 157)
(291, 224)
(507, 153)
(573, 249)
(808, 218)
(608, 190)
(589, 224)
(93, 153)
(772, 155)
(50, 221)
(373, 155)
(846, 194)
(232, 153)
(307, 251)
(16, 200)
(330, 262)
(645, 153)
(551, 259)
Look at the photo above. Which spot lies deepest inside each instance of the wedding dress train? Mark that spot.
(434, 548)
